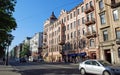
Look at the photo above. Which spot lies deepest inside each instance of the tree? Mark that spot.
(7, 23)
(25, 51)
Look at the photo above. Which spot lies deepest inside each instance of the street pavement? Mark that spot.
(7, 70)
(38, 68)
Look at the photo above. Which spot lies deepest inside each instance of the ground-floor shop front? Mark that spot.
(79, 55)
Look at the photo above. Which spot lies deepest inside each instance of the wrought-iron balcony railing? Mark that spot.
(89, 9)
(45, 33)
(45, 46)
(90, 21)
(115, 4)
(61, 42)
(90, 34)
(45, 39)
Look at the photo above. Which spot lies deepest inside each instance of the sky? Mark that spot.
(30, 16)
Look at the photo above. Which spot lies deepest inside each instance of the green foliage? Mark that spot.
(7, 22)
(25, 51)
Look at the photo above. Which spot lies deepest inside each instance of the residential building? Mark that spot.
(36, 43)
(73, 35)
(16, 51)
(108, 16)
(27, 41)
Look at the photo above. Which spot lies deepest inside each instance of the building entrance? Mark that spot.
(108, 55)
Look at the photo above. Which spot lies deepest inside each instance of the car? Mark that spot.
(40, 60)
(17, 60)
(98, 67)
(22, 60)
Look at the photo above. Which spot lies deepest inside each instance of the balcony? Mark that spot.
(61, 42)
(90, 34)
(115, 4)
(45, 47)
(45, 33)
(89, 22)
(45, 40)
(90, 9)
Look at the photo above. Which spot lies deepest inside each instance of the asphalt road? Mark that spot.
(35, 68)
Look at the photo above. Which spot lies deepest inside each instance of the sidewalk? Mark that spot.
(7, 70)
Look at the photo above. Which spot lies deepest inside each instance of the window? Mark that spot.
(82, 9)
(78, 21)
(88, 62)
(75, 46)
(71, 35)
(83, 20)
(68, 17)
(74, 13)
(68, 36)
(74, 24)
(64, 28)
(102, 18)
(92, 43)
(89, 28)
(68, 27)
(78, 32)
(91, 15)
(64, 19)
(118, 33)
(87, 6)
(71, 16)
(101, 6)
(91, 3)
(105, 35)
(58, 29)
(88, 19)
(93, 28)
(83, 31)
(71, 25)
(78, 11)
(112, 1)
(115, 15)
(95, 63)
(74, 33)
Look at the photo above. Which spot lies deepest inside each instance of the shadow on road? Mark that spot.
(50, 71)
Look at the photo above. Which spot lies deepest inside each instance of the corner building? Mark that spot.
(73, 35)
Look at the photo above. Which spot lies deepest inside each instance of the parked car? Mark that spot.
(99, 67)
(40, 60)
(17, 59)
(23, 60)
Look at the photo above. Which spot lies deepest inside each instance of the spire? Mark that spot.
(53, 17)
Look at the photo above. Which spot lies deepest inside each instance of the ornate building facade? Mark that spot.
(108, 15)
(73, 35)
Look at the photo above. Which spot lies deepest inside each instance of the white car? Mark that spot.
(99, 67)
